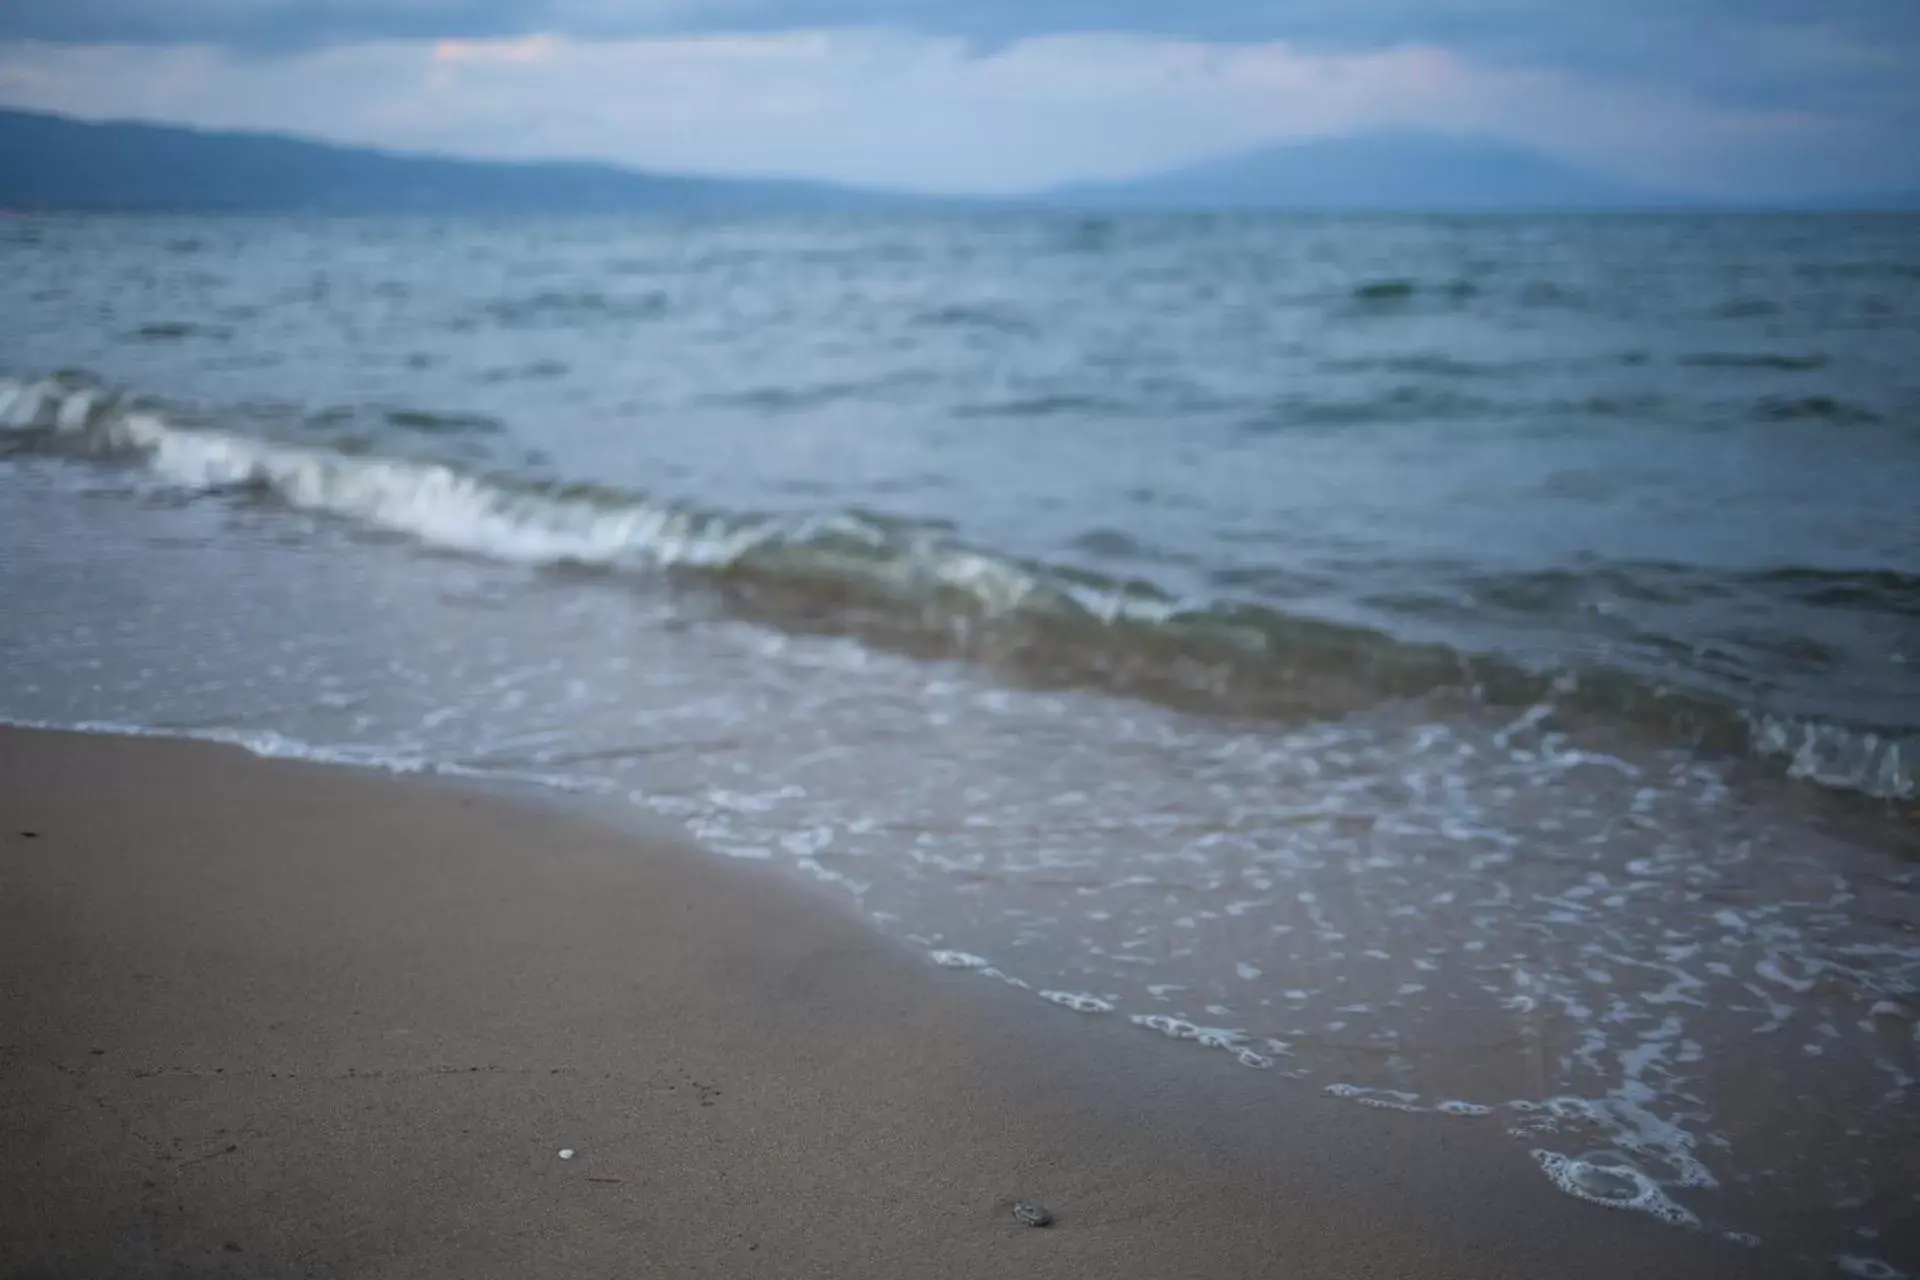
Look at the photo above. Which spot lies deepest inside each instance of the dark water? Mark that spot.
(1469, 661)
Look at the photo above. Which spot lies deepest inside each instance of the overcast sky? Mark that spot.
(1732, 97)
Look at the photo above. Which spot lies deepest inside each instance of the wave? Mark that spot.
(1774, 363)
(1745, 308)
(1046, 406)
(1429, 364)
(1408, 403)
(442, 423)
(786, 399)
(1374, 293)
(1385, 290)
(916, 586)
(535, 371)
(1812, 409)
(556, 307)
(179, 331)
(976, 316)
(1547, 295)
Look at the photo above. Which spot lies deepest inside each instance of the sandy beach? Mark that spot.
(269, 1019)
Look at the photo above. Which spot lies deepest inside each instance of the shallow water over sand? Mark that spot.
(1597, 943)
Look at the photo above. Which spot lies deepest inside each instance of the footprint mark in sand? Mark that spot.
(705, 1092)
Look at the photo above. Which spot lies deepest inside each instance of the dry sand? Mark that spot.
(265, 1019)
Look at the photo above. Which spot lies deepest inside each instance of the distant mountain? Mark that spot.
(1871, 202)
(1377, 172)
(52, 162)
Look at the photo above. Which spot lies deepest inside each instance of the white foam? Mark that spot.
(1078, 1001)
(22, 406)
(1177, 1028)
(1838, 757)
(274, 746)
(432, 502)
(437, 504)
(450, 509)
(75, 411)
(1379, 1099)
(1614, 1185)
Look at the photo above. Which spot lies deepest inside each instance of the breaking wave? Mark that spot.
(916, 586)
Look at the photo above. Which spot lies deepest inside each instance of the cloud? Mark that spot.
(938, 113)
(1625, 33)
(1847, 62)
(280, 25)
(524, 49)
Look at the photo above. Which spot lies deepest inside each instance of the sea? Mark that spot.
(1466, 666)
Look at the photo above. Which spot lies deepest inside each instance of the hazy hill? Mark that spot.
(1399, 171)
(52, 162)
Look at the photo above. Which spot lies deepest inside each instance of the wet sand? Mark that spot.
(268, 1019)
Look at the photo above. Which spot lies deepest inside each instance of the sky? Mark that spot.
(1741, 98)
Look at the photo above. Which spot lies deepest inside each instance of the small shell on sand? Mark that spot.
(1031, 1214)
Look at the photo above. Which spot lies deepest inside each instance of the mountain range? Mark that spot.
(54, 162)
(1376, 172)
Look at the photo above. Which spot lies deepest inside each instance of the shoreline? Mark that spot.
(268, 1017)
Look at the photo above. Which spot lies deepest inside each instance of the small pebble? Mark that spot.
(567, 1153)
(1033, 1215)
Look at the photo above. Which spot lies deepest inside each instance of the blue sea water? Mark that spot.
(1469, 663)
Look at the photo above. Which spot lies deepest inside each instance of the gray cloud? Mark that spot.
(1842, 67)
(1641, 29)
(1814, 55)
(283, 25)
(933, 113)
(1753, 52)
